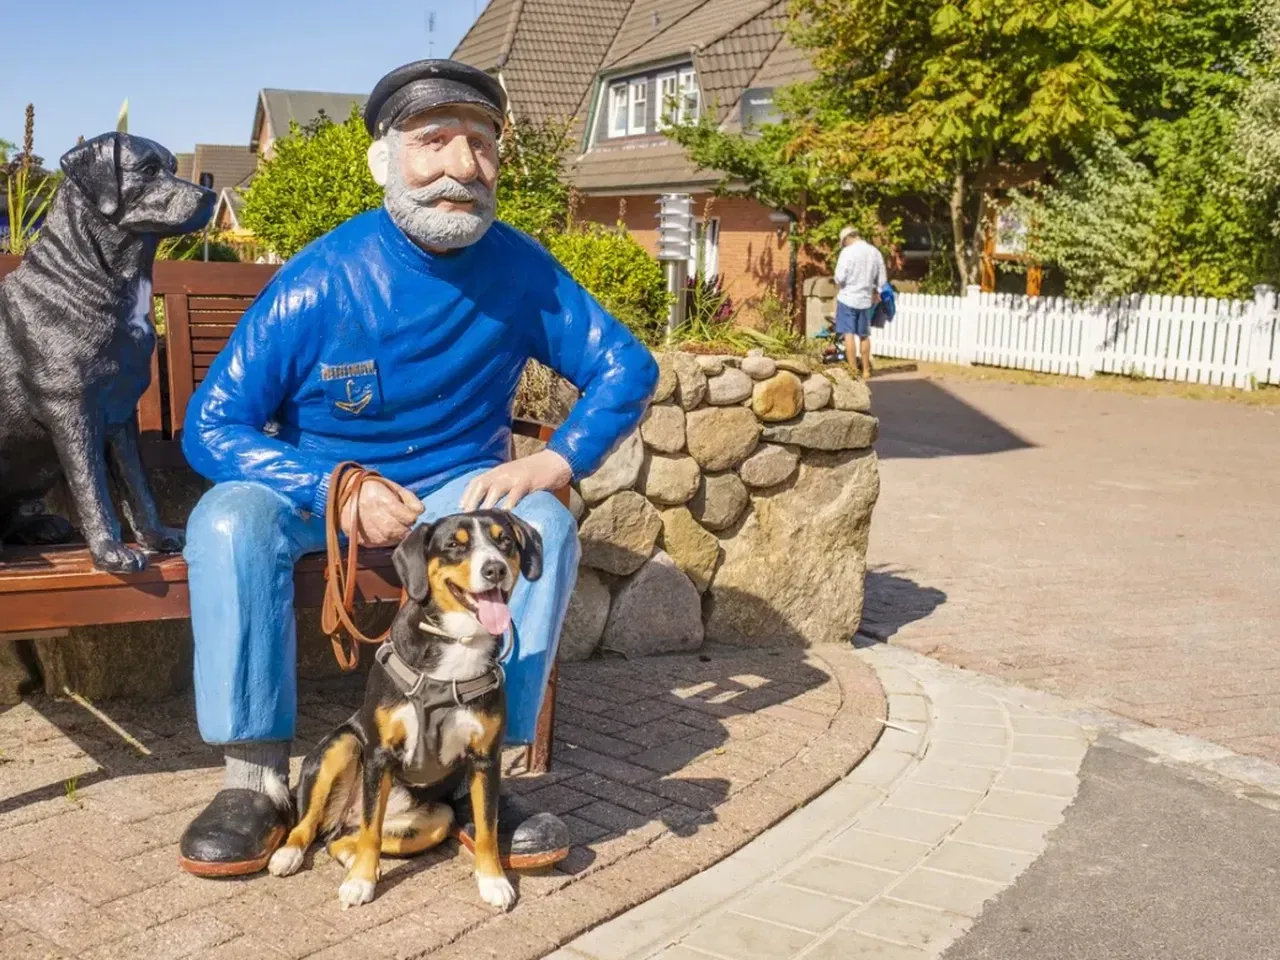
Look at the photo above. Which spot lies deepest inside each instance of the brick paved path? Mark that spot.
(1116, 549)
(896, 860)
(662, 767)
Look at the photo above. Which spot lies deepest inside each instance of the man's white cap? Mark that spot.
(848, 232)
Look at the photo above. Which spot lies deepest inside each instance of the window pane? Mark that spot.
(689, 98)
(639, 106)
(618, 111)
(668, 100)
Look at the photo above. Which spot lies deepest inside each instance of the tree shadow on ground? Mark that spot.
(919, 419)
(891, 602)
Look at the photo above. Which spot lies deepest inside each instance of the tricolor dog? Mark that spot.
(434, 707)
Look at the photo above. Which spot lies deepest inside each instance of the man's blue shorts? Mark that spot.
(855, 320)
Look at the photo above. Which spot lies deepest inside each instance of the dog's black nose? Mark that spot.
(493, 572)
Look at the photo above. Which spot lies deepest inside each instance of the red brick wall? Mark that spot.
(754, 253)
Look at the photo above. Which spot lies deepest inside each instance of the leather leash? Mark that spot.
(340, 577)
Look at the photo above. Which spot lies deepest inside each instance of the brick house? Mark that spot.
(625, 70)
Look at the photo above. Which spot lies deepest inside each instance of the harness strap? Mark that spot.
(430, 692)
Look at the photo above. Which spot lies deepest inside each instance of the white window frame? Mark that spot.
(706, 238)
(668, 87)
(616, 105)
(690, 97)
(638, 98)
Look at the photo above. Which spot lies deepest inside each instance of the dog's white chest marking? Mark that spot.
(456, 733)
(139, 325)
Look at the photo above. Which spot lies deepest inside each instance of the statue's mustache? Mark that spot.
(446, 188)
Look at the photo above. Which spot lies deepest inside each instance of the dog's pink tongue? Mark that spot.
(492, 611)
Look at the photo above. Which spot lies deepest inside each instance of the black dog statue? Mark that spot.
(76, 344)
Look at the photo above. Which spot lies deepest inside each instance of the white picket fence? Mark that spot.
(1196, 340)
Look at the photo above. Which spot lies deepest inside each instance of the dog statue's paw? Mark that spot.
(497, 891)
(43, 529)
(354, 892)
(285, 861)
(164, 539)
(114, 557)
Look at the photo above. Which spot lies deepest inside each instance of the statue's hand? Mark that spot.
(386, 516)
(545, 470)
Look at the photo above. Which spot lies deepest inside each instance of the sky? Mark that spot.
(192, 71)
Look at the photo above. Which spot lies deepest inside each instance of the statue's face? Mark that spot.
(440, 170)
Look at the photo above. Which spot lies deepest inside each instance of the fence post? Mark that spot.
(969, 324)
(1095, 339)
(1260, 331)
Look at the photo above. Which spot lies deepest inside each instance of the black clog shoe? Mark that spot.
(527, 839)
(234, 835)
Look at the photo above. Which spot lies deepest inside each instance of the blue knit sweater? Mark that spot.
(365, 347)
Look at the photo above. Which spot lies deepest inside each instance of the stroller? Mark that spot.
(834, 351)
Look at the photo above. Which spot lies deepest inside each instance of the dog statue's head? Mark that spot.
(468, 564)
(132, 182)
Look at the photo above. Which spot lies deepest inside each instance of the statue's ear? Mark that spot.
(379, 161)
(94, 167)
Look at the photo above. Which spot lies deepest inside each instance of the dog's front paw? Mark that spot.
(497, 891)
(354, 892)
(164, 540)
(285, 862)
(114, 557)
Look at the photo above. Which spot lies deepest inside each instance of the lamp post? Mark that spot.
(675, 242)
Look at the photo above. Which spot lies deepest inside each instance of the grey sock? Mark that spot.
(261, 765)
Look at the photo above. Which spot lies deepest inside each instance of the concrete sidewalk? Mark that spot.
(972, 784)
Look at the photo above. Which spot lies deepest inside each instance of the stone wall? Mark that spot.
(737, 513)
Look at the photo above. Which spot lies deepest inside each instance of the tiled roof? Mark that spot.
(729, 65)
(281, 106)
(547, 51)
(229, 165)
(643, 167)
(704, 24)
(645, 20)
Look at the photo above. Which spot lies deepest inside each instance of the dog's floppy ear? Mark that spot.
(529, 545)
(94, 167)
(410, 561)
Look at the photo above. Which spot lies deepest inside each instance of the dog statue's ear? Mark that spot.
(94, 167)
(410, 561)
(529, 545)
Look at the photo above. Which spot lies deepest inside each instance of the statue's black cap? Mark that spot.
(427, 84)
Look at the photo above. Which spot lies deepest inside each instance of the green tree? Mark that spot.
(532, 193)
(618, 272)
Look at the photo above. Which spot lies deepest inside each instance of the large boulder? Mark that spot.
(769, 466)
(800, 367)
(779, 398)
(692, 389)
(663, 428)
(620, 471)
(730, 387)
(667, 382)
(711, 365)
(694, 550)
(793, 573)
(720, 500)
(720, 438)
(619, 534)
(669, 480)
(817, 392)
(586, 616)
(826, 430)
(658, 610)
(850, 394)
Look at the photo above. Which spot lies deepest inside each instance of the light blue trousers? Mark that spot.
(242, 542)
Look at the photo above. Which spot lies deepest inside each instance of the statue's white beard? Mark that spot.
(427, 226)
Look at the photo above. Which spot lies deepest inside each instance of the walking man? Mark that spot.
(860, 275)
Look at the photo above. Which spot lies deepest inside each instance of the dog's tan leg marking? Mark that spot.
(416, 830)
(343, 849)
(486, 761)
(357, 888)
(337, 760)
(390, 727)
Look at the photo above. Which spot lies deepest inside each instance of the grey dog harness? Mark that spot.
(432, 698)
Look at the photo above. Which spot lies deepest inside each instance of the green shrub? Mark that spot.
(619, 273)
(317, 179)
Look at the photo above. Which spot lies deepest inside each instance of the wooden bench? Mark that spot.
(52, 588)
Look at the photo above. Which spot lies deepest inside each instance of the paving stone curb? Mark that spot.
(895, 861)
